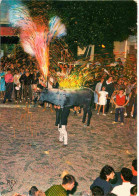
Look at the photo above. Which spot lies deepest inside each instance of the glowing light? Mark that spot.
(77, 79)
(103, 46)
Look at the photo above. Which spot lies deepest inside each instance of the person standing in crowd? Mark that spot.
(27, 86)
(102, 100)
(97, 89)
(110, 89)
(17, 84)
(61, 121)
(132, 105)
(21, 79)
(107, 173)
(68, 184)
(124, 189)
(9, 86)
(2, 83)
(120, 103)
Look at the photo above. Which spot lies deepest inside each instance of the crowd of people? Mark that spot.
(21, 78)
(113, 93)
(109, 183)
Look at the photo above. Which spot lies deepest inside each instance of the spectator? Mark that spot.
(58, 190)
(97, 191)
(2, 82)
(102, 100)
(9, 86)
(17, 84)
(33, 190)
(97, 89)
(132, 103)
(21, 79)
(134, 171)
(133, 190)
(120, 103)
(124, 189)
(102, 181)
(109, 88)
(27, 86)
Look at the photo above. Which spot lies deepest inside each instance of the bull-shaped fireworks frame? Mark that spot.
(68, 98)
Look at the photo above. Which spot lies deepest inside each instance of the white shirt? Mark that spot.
(123, 190)
(16, 78)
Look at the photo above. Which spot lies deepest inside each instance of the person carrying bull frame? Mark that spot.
(61, 121)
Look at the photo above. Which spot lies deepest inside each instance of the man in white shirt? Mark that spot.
(124, 189)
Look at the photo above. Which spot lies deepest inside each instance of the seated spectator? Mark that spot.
(32, 191)
(124, 189)
(134, 171)
(97, 191)
(102, 181)
(58, 190)
(133, 190)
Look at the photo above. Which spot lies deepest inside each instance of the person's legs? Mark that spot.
(30, 92)
(84, 114)
(103, 109)
(10, 90)
(99, 109)
(107, 105)
(116, 114)
(25, 92)
(6, 93)
(61, 133)
(65, 135)
(89, 117)
(122, 115)
(58, 113)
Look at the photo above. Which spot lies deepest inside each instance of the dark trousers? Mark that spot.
(58, 115)
(107, 105)
(85, 112)
(8, 93)
(129, 106)
(28, 92)
(121, 112)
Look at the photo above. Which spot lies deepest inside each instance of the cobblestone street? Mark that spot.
(31, 155)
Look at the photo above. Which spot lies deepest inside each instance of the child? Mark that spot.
(102, 99)
(120, 103)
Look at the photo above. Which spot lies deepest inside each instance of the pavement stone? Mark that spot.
(31, 156)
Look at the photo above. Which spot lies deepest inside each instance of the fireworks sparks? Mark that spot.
(35, 38)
